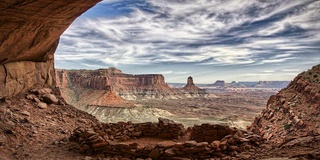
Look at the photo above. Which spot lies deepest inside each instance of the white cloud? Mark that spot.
(196, 31)
(291, 70)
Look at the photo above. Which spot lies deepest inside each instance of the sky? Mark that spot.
(231, 40)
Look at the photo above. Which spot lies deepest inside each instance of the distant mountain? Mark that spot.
(247, 84)
(271, 84)
(257, 84)
(219, 83)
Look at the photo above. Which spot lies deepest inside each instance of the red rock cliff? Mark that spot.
(126, 85)
(102, 78)
(30, 31)
(294, 111)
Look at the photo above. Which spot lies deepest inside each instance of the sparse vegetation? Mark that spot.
(287, 126)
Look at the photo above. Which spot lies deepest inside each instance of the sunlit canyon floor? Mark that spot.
(233, 109)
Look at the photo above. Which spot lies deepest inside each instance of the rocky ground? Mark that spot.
(39, 125)
(233, 109)
(35, 127)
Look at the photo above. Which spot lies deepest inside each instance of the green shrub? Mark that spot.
(287, 126)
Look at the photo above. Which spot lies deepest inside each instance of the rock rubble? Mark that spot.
(109, 140)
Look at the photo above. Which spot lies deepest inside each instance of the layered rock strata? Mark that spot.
(190, 86)
(128, 86)
(30, 29)
(30, 32)
(294, 111)
(190, 90)
(19, 77)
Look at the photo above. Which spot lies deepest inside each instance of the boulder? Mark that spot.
(25, 113)
(41, 91)
(42, 105)
(50, 99)
(154, 154)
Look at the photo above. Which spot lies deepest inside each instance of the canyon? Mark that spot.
(113, 96)
(38, 123)
(127, 86)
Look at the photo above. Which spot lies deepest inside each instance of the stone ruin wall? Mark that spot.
(200, 141)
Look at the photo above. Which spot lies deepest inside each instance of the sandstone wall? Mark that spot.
(19, 77)
(128, 86)
(209, 133)
(30, 29)
(30, 32)
(100, 79)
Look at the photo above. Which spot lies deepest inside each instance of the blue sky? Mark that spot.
(247, 40)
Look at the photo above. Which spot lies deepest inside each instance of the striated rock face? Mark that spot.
(109, 98)
(19, 77)
(127, 86)
(294, 111)
(30, 31)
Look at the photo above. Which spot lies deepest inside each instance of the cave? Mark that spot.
(30, 31)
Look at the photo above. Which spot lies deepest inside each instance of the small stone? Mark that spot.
(31, 96)
(191, 143)
(42, 105)
(223, 145)
(154, 154)
(215, 144)
(25, 113)
(41, 91)
(169, 152)
(100, 144)
(37, 100)
(88, 158)
(202, 144)
(3, 139)
(50, 99)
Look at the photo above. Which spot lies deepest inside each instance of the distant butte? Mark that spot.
(190, 85)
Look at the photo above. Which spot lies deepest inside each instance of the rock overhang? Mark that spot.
(30, 29)
(30, 32)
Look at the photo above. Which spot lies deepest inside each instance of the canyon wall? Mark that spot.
(294, 111)
(19, 77)
(127, 86)
(30, 31)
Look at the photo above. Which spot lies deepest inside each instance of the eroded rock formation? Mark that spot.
(30, 31)
(128, 86)
(219, 83)
(190, 85)
(294, 111)
(16, 77)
